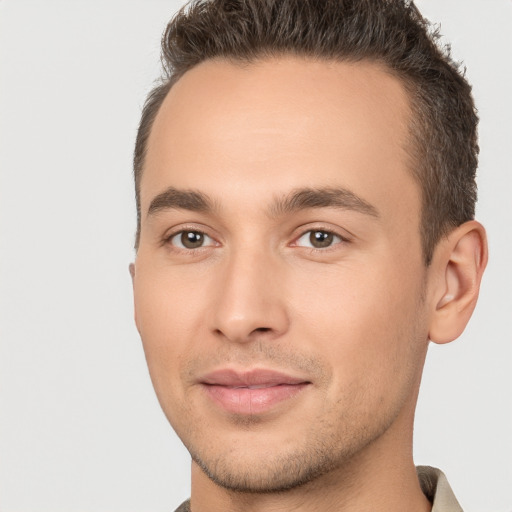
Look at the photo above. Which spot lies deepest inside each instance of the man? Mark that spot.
(305, 195)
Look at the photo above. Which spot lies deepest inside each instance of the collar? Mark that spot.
(436, 488)
(433, 483)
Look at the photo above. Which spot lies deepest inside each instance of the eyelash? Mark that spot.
(194, 250)
(168, 240)
(329, 232)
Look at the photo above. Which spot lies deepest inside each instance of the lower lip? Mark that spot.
(249, 401)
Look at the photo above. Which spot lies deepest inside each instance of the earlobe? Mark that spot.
(131, 269)
(462, 258)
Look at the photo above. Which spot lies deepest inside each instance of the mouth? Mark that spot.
(251, 392)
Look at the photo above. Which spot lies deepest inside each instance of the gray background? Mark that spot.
(80, 428)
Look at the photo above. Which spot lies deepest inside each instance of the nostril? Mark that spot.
(262, 329)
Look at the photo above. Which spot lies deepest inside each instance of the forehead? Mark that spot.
(230, 127)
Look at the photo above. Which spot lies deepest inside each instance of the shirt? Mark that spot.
(433, 483)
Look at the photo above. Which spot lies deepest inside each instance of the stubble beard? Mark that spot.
(329, 449)
(333, 448)
(334, 444)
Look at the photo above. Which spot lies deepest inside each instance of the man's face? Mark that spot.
(279, 283)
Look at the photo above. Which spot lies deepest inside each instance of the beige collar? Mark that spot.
(437, 489)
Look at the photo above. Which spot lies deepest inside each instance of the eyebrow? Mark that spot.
(299, 199)
(173, 198)
(327, 197)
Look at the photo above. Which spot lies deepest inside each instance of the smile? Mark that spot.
(253, 392)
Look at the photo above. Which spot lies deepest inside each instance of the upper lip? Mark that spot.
(260, 377)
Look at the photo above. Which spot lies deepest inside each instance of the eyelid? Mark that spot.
(177, 236)
(178, 230)
(304, 230)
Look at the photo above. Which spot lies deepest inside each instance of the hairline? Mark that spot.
(412, 145)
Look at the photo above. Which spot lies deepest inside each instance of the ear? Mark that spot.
(131, 268)
(460, 261)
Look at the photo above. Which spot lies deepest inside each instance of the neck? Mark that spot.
(381, 477)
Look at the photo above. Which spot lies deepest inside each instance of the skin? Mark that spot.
(352, 319)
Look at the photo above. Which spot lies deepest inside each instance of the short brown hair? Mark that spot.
(443, 127)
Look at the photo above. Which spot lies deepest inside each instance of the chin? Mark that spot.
(279, 474)
(269, 465)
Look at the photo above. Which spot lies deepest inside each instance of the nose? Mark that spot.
(251, 300)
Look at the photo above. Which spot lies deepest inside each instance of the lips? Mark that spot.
(251, 392)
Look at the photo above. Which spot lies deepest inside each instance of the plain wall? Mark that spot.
(80, 427)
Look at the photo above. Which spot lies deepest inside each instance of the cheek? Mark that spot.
(167, 301)
(168, 314)
(364, 324)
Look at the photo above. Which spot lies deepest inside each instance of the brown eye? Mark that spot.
(319, 239)
(190, 240)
